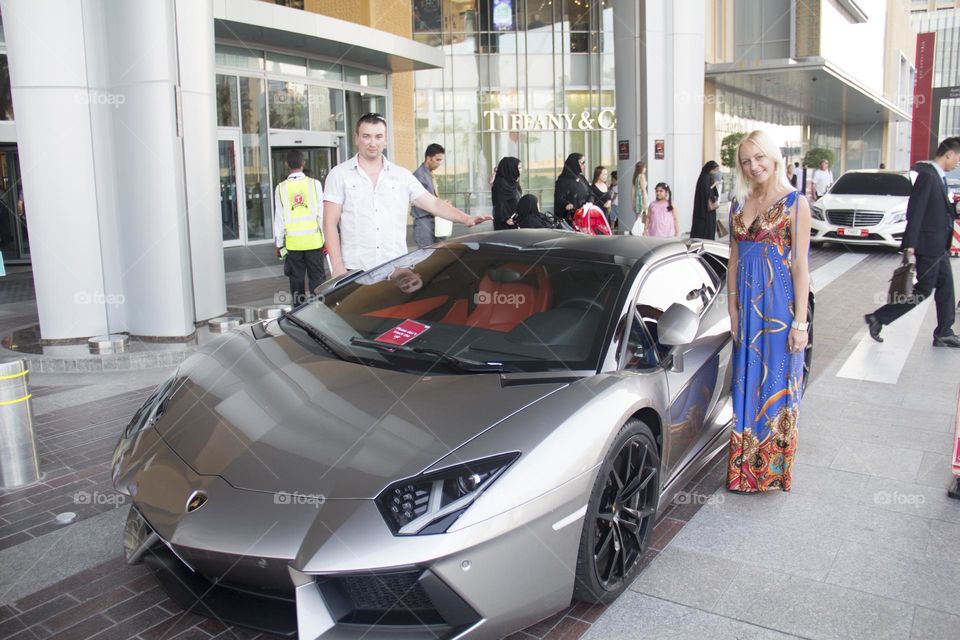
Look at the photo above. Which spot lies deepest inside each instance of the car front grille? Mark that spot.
(410, 597)
(854, 218)
(386, 591)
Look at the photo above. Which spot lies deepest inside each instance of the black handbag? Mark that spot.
(901, 283)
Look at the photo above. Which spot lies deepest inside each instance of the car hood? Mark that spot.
(268, 415)
(885, 204)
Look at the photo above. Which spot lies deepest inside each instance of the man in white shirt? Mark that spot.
(822, 179)
(366, 200)
(297, 227)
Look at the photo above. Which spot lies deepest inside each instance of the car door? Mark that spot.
(692, 388)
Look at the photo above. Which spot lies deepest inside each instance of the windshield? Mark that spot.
(872, 184)
(483, 305)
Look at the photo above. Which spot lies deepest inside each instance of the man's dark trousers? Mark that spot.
(303, 265)
(932, 273)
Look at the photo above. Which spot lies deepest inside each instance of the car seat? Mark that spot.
(508, 295)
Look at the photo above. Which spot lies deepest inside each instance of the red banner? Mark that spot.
(922, 130)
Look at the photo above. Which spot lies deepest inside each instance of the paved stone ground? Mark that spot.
(866, 545)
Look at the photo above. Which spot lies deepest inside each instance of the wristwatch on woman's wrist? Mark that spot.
(800, 326)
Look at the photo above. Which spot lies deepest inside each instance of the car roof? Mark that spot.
(572, 245)
(905, 172)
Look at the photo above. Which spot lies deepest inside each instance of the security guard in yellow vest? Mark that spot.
(297, 227)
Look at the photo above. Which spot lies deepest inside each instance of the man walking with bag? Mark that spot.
(297, 227)
(926, 240)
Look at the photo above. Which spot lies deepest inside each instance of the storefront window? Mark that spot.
(288, 105)
(554, 60)
(326, 108)
(256, 158)
(228, 109)
(239, 57)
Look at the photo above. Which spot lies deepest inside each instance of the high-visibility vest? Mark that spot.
(300, 220)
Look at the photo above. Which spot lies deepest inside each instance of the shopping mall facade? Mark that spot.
(141, 138)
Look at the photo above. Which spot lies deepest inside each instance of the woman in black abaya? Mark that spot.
(506, 193)
(705, 203)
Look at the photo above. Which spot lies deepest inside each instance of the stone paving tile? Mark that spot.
(634, 616)
(934, 625)
(933, 583)
(687, 578)
(812, 609)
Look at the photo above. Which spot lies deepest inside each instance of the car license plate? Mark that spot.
(852, 232)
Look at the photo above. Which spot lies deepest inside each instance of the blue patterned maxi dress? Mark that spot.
(767, 377)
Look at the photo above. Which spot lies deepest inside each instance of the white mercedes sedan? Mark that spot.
(864, 206)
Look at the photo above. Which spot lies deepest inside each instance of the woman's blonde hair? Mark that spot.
(743, 183)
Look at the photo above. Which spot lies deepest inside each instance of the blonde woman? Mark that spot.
(768, 282)
(640, 198)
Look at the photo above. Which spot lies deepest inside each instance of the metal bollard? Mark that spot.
(19, 463)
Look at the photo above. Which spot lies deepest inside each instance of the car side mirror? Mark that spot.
(677, 326)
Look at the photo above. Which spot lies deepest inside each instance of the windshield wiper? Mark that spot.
(318, 337)
(461, 364)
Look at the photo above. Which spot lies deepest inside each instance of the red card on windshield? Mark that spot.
(402, 333)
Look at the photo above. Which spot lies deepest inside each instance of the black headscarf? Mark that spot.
(528, 214)
(704, 218)
(505, 192)
(571, 188)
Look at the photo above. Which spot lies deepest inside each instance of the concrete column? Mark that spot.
(47, 57)
(150, 215)
(95, 87)
(630, 79)
(660, 93)
(195, 53)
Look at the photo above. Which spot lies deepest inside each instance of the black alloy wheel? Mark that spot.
(620, 516)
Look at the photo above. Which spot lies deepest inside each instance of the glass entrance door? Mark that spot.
(14, 241)
(317, 162)
(232, 207)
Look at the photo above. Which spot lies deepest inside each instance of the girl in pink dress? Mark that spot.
(661, 217)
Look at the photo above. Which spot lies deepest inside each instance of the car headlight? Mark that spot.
(899, 216)
(431, 502)
(816, 212)
(154, 406)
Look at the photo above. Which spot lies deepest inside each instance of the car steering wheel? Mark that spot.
(586, 301)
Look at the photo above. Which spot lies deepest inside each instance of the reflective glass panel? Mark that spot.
(324, 70)
(326, 108)
(364, 78)
(6, 98)
(288, 105)
(228, 109)
(287, 65)
(256, 167)
(239, 57)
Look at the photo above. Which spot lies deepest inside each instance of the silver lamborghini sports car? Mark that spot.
(452, 445)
